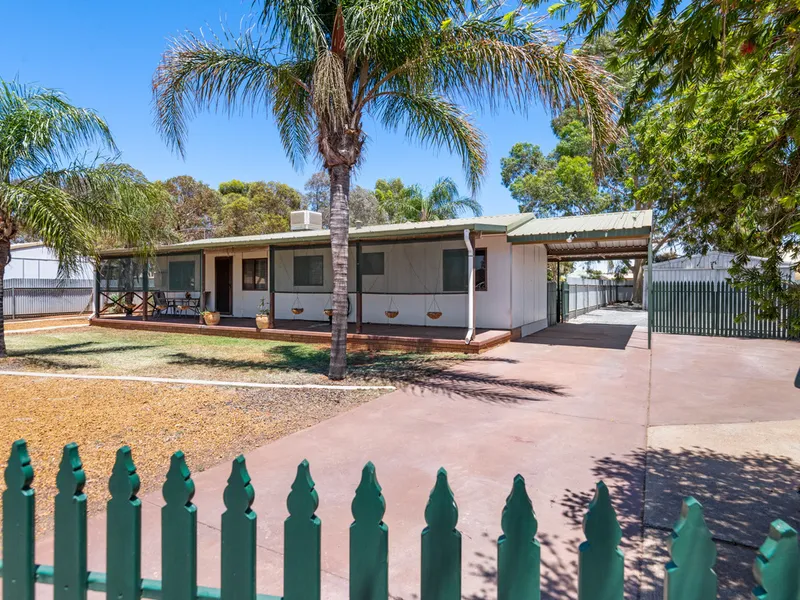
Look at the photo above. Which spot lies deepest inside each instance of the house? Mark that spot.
(460, 276)
(712, 267)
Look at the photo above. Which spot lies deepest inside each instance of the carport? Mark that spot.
(605, 236)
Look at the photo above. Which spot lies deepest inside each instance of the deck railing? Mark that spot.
(689, 575)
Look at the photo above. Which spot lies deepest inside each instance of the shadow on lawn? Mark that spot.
(419, 372)
(57, 357)
(741, 495)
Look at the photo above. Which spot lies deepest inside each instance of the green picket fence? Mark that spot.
(712, 308)
(689, 575)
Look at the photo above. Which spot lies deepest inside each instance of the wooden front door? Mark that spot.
(223, 288)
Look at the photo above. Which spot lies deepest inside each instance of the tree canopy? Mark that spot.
(256, 208)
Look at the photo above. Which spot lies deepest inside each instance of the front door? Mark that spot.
(223, 289)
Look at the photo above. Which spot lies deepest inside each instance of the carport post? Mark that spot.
(649, 292)
(558, 291)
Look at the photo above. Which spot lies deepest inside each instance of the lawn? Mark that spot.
(142, 353)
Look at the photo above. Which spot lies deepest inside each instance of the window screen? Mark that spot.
(454, 269)
(372, 263)
(254, 274)
(308, 270)
(181, 275)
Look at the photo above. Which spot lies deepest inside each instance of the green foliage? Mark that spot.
(562, 183)
(256, 208)
(404, 204)
(195, 206)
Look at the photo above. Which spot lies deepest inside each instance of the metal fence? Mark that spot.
(38, 297)
(713, 308)
(583, 295)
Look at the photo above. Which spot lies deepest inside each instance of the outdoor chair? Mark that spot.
(160, 303)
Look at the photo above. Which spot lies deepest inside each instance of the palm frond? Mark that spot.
(39, 127)
(298, 24)
(199, 73)
(434, 121)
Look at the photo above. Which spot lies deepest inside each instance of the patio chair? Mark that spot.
(160, 303)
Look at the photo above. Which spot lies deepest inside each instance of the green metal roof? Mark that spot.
(495, 224)
(629, 224)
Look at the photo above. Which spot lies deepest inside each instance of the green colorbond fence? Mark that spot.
(688, 575)
(712, 308)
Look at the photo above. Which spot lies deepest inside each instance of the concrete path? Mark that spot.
(565, 408)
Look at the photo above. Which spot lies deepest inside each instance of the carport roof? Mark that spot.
(589, 237)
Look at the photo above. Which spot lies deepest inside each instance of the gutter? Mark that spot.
(470, 288)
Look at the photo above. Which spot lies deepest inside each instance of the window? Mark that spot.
(254, 274)
(454, 267)
(181, 275)
(308, 270)
(372, 263)
(480, 269)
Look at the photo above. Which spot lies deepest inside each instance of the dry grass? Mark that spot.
(49, 322)
(209, 424)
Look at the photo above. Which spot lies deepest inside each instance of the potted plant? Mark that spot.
(262, 315)
(211, 317)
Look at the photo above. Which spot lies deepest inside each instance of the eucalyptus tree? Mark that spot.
(46, 193)
(322, 66)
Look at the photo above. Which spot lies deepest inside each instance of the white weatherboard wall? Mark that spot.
(528, 288)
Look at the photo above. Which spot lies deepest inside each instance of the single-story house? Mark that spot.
(467, 275)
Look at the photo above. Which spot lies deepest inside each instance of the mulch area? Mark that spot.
(208, 424)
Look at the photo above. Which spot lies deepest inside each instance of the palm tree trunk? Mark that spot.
(340, 224)
(5, 252)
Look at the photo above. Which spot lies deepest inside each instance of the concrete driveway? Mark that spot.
(566, 407)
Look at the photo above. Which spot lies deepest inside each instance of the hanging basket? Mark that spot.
(391, 314)
(434, 314)
(297, 310)
(328, 312)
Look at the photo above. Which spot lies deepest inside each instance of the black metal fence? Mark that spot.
(40, 297)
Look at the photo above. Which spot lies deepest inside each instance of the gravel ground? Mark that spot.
(210, 425)
(49, 322)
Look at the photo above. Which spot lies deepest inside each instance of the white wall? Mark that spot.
(39, 262)
(529, 288)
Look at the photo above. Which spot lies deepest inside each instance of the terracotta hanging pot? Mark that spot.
(297, 311)
(434, 314)
(391, 313)
(328, 312)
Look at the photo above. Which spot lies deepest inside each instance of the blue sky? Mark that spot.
(102, 54)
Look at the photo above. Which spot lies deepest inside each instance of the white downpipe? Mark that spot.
(470, 289)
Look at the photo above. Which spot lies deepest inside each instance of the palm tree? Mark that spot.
(443, 202)
(321, 66)
(44, 193)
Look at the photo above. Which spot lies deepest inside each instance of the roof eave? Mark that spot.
(583, 236)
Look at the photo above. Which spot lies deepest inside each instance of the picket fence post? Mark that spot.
(302, 562)
(179, 533)
(369, 541)
(124, 530)
(777, 565)
(441, 545)
(689, 575)
(19, 569)
(69, 566)
(238, 560)
(601, 564)
(518, 552)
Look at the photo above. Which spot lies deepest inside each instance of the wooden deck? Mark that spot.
(373, 336)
